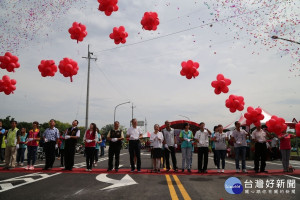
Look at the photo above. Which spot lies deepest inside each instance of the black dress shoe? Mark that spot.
(189, 171)
(256, 171)
(108, 170)
(45, 169)
(176, 170)
(116, 170)
(205, 171)
(182, 170)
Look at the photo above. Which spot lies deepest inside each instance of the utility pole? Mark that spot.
(88, 86)
(132, 107)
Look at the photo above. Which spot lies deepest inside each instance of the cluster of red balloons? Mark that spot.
(119, 35)
(189, 69)
(150, 21)
(108, 6)
(234, 103)
(276, 125)
(7, 85)
(9, 62)
(253, 116)
(297, 127)
(68, 68)
(78, 31)
(47, 68)
(221, 84)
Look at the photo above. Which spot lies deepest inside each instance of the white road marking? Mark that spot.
(293, 177)
(125, 181)
(226, 161)
(268, 162)
(26, 179)
(6, 186)
(78, 192)
(34, 165)
(83, 164)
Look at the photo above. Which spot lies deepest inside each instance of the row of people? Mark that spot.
(15, 139)
(219, 141)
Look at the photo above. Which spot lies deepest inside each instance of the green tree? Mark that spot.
(105, 129)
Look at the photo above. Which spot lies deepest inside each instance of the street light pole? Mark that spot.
(116, 109)
(278, 38)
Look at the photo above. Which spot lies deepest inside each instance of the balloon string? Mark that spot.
(71, 78)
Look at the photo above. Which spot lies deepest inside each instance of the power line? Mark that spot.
(188, 29)
(111, 82)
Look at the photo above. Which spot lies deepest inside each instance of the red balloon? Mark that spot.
(189, 69)
(108, 6)
(150, 21)
(9, 62)
(276, 125)
(297, 128)
(234, 103)
(78, 31)
(47, 68)
(119, 35)
(221, 84)
(7, 85)
(68, 68)
(253, 116)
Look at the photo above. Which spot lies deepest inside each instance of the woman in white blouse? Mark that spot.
(220, 139)
(157, 139)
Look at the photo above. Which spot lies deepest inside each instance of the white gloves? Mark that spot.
(29, 139)
(114, 139)
(175, 145)
(238, 142)
(67, 137)
(56, 146)
(46, 140)
(166, 146)
(89, 141)
(5, 141)
(186, 139)
(17, 146)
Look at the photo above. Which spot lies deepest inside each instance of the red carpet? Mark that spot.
(148, 171)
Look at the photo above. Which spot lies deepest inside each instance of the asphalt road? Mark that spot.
(98, 184)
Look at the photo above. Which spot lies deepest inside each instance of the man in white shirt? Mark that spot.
(170, 144)
(239, 138)
(202, 138)
(259, 136)
(134, 134)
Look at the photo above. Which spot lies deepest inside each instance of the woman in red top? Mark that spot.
(32, 140)
(285, 148)
(90, 138)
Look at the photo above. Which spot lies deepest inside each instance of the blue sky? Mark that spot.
(148, 73)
